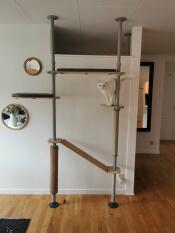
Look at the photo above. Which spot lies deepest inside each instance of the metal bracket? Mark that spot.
(118, 108)
(58, 140)
(121, 19)
(52, 17)
(120, 73)
(52, 72)
(115, 155)
(117, 170)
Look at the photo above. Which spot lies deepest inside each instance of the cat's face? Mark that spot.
(102, 85)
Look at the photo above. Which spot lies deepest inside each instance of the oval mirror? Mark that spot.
(32, 66)
(15, 116)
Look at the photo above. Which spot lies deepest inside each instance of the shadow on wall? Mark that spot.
(151, 42)
(74, 42)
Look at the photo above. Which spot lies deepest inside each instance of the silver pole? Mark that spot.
(113, 203)
(52, 18)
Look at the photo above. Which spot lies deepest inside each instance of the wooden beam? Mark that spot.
(85, 71)
(34, 95)
(85, 155)
(82, 71)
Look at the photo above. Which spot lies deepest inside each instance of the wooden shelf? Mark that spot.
(108, 106)
(34, 95)
(112, 106)
(84, 71)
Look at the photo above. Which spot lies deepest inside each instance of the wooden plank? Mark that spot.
(86, 71)
(85, 155)
(108, 169)
(34, 95)
(58, 140)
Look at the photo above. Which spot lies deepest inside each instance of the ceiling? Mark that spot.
(88, 26)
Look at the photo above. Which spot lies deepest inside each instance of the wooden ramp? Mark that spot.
(85, 155)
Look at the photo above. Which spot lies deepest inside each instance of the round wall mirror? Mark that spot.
(15, 116)
(32, 66)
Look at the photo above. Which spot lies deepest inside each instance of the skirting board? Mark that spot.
(62, 191)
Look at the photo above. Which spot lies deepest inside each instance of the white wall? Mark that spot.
(148, 142)
(168, 110)
(24, 154)
(24, 160)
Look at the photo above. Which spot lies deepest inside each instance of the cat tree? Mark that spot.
(54, 149)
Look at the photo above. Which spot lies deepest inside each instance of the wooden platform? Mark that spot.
(86, 71)
(34, 95)
(152, 210)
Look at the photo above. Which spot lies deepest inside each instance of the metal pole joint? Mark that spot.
(121, 19)
(118, 108)
(52, 17)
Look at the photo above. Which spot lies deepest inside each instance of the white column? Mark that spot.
(136, 42)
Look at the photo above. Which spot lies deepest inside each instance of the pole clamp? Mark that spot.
(118, 108)
(52, 72)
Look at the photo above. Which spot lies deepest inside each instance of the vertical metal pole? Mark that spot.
(54, 178)
(113, 203)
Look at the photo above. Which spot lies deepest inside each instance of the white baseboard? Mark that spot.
(24, 191)
(89, 191)
(62, 191)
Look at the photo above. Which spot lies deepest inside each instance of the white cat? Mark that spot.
(108, 88)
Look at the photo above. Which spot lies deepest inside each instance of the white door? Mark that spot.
(168, 110)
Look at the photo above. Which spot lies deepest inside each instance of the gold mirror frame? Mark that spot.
(23, 109)
(32, 73)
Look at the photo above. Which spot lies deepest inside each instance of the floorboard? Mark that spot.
(151, 210)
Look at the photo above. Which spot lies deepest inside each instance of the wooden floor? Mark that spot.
(151, 210)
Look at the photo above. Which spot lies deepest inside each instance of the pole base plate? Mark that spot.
(53, 205)
(122, 19)
(113, 205)
(52, 17)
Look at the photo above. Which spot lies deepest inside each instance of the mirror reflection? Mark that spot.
(145, 96)
(15, 116)
(32, 66)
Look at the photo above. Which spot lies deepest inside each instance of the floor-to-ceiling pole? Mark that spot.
(54, 148)
(113, 203)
